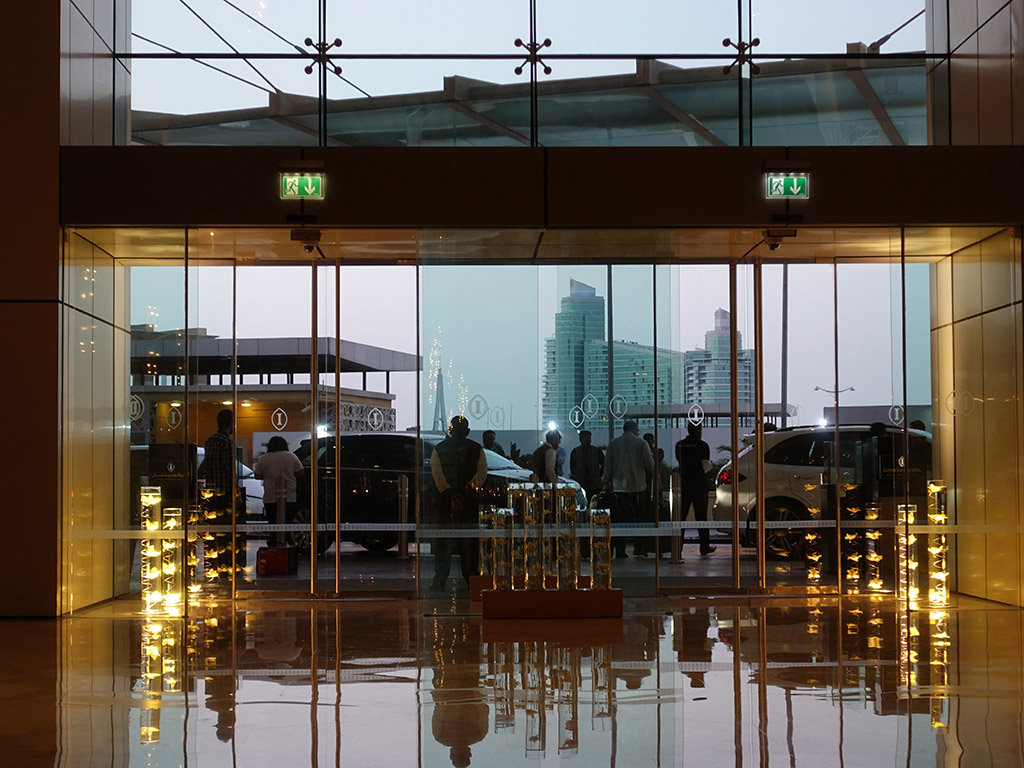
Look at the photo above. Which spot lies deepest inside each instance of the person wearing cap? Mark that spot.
(459, 468)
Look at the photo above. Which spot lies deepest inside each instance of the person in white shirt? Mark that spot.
(279, 468)
(627, 463)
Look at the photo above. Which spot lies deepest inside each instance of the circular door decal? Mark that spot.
(617, 407)
(136, 407)
(696, 414)
(279, 419)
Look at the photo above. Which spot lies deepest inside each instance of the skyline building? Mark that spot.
(706, 371)
(577, 366)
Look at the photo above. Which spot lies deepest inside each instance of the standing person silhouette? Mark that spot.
(459, 468)
(279, 469)
(491, 442)
(626, 466)
(545, 458)
(694, 458)
(218, 474)
(586, 463)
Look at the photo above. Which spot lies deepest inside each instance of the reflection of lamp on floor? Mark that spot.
(939, 665)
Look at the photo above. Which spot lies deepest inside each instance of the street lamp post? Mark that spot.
(835, 397)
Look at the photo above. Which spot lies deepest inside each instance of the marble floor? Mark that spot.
(705, 682)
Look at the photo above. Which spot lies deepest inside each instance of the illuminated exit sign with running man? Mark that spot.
(787, 186)
(302, 186)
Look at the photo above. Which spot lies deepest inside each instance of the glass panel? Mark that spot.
(273, 416)
(153, 370)
(840, 102)
(647, 26)
(698, 335)
(791, 26)
(481, 359)
(737, 484)
(95, 506)
(207, 26)
(641, 103)
(799, 484)
(369, 470)
(461, 26)
(881, 466)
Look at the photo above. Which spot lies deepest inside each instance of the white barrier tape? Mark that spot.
(90, 533)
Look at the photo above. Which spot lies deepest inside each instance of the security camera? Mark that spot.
(310, 248)
(773, 237)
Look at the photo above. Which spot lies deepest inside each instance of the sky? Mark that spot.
(472, 26)
(486, 326)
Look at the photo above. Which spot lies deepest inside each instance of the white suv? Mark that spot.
(798, 463)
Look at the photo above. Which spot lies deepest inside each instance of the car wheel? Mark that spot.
(784, 543)
(381, 543)
(300, 539)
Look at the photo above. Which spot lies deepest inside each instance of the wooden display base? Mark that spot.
(477, 584)
(552, 604)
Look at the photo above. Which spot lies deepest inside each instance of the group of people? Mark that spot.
(639, 483)
(635, 487)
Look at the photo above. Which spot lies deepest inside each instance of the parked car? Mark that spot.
(798, 464)
(371, 464)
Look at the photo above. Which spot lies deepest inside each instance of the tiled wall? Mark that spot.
(94, 110)
(979, 424)
(977, 92)
(96, 435)
(94, 87)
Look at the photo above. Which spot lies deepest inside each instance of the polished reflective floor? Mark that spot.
(705, 682)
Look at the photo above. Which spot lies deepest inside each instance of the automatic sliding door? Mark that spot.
(274, 419)
(694, 323)
(368, 461)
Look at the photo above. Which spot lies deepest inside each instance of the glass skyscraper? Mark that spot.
(706, 371)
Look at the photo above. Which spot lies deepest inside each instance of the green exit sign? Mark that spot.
(787, 186)
(302, 186)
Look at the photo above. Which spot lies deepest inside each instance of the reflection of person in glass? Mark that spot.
(639, 643)
(694, 457)
(545, 458)
(691, 642)
(279, 468)
(459, 468)
(217, 468)
(461, 714)
(626, 465)
(491, 442)
(217, 651)
(586, 463)
(218, 473)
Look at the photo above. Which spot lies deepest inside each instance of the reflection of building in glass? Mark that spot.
(272, 384)
(578, 326)
(706, 371)
(577, 363)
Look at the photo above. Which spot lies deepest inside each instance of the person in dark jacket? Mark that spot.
(459, 468)
(694, 458)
